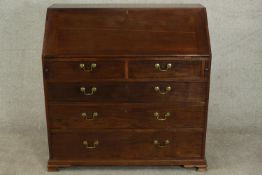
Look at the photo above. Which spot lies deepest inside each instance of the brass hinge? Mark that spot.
(45, 71)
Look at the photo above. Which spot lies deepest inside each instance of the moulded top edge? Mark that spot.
(125, 56)
(81, 6)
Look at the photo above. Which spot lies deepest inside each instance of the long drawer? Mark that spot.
(127, 144)
(158, 92)
(69, 116)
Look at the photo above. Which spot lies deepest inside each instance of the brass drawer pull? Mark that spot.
(83, 90)
(94, 115)
(83, 67)
(93, 146)
(158, 67)
(158, 117)
(168, 89)
(165, 143)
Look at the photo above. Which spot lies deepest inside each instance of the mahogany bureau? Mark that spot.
(126, 85)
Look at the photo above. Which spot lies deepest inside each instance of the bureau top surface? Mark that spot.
(126, 30)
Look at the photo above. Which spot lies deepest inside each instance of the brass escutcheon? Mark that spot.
(93, 146)
(158, 67)
(158, 117)
(90, 69)
(165, 143)
(86, 117)
(167, 89)
(83, 90)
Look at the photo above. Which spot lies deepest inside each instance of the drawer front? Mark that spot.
(154, 92)
(83, 70)
(126, 116)
(127, 144)
(166, 69)
(87, 92)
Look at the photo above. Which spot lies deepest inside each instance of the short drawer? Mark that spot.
(154, 92)
(127, 144)
(142, 116)
(166, 69)
(83, 70)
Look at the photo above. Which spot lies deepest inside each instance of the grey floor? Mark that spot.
(229, 152)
